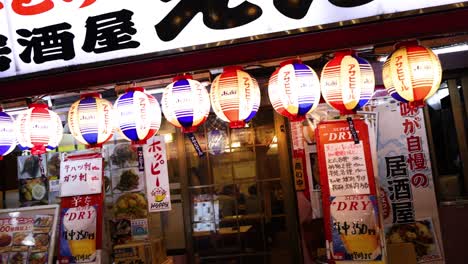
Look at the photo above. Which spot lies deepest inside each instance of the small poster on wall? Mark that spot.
(353, 226)
(27, 235)
(33, 183)
(81, 174)
(81, 229)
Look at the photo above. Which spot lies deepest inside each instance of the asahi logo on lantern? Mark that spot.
(230, 92)
(401, 72)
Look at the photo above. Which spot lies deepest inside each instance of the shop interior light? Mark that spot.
(91, 120)
(451, 49)
(347, 82)
(294, 89)
(186, 103)
(235, 96)
(138, 115)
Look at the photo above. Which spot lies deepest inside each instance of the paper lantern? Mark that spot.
(186, 103)
(412, 73)
(347, 82)
(138, 115)
(90, 120)
(38, 129)
(7, 134)
(235, 96)
(294, 90)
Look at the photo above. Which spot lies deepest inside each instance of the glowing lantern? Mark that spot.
(412, 73)
(38, 129)
(91, 120)
(138, 115)
(235, 96)
(347, 82)
(7, 134)
(294, 90)
(186, 103)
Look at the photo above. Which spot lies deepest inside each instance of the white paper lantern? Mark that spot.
(294, 90)
(138, 115)
(235, 96)
(7, 134)
(90, 120)
(186, 103)
(38, 129)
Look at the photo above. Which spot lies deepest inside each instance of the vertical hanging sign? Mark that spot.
(299, 160)
(407, 192)
(156, 174)
(352, 223)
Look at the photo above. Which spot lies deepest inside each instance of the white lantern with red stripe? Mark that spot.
(347, 82)
(186, 103)
(7, 134)
(412, 73)
(138, 115)
(90, 120)
(235, 96)
(294, 90)
(38, 129)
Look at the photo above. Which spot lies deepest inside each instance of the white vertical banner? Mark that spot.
(407, 193)
(156, 175)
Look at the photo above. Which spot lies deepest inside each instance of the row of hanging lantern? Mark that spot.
(411, 74)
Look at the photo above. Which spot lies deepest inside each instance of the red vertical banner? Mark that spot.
(351, 212)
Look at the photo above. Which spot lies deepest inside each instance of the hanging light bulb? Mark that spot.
(91, 120)
(294, 90)
(186, 103)
(138, 115)
(38, 129)
(347, 82)
(7, 134)
(412, 73)
(235, 96)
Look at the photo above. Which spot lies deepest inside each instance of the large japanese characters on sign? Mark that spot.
(46, 34)
(352, 223)
(407, 192)
(156, 174)
(80, 174)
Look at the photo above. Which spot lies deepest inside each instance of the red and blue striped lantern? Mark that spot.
(294, 90)
(186, 103)
(235, 96)
(412, 73)
(38, 129)
(138, 115)
(7, 134)
(90, 120)
(347, 82)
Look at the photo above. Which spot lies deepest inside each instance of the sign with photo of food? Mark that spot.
(33, 183)
(27, 234)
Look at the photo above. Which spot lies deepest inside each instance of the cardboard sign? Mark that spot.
(81, 174)
(351, 214)
(156, 174)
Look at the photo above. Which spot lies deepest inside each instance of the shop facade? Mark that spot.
(246, 176)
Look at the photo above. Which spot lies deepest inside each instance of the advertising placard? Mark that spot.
(81, 174)
(27, 235)
(81, 229)
(351, 214)
(407, 187)
(156, 174)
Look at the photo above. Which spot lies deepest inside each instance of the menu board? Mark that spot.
(81, 174)
(352, 223)
(27, 235)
